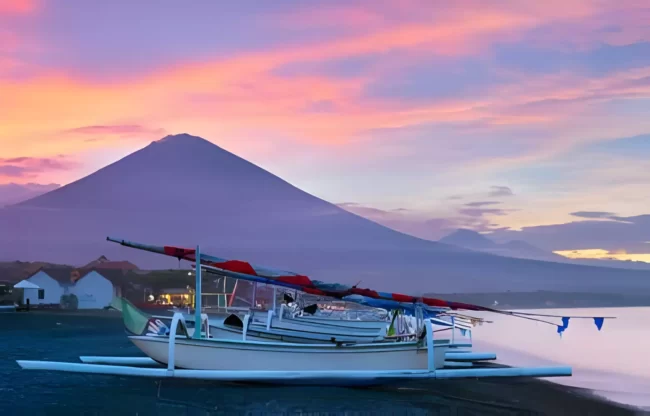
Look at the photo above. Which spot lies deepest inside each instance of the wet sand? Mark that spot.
(63, 336)
(529, 396)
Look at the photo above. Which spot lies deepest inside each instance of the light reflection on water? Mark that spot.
(613, 362)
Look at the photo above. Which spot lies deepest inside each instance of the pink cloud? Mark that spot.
(325, 17)
(17, 7)
(240, 95)
(30, 167)
(9, 42)
(581, 23)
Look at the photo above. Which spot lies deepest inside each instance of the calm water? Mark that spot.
(66, 337)
(613, 362)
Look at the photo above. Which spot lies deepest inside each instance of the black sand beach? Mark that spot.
(65, 336)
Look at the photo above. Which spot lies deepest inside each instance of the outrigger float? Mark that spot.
(195, 353)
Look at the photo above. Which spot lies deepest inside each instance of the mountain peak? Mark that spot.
(187, 143)
(468, 239)
(164, 173)
(184, 138)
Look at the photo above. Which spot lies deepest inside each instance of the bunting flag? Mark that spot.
(564, 326)
(463, 332)
(565, 322)
(599, 322)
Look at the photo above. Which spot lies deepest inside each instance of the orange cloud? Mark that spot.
(597, 253)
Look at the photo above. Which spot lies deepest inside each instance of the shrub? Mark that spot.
(69, 302)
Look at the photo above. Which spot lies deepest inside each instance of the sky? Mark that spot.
(521, 119)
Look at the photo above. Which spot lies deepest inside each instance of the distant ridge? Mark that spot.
(183, 190)
(13, 193)
(469, 239)
(520, 249)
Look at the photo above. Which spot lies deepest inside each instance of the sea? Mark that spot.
(612, 362)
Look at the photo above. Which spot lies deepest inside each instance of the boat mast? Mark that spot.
(197, 296)
(274, 296)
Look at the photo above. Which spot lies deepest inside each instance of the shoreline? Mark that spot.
(536, 396)
(100, 313)
(548, 299)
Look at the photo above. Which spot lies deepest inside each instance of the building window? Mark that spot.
(41, 293)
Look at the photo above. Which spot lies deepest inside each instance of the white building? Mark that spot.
(93, 288)
(53, 282)
(94, 291)
(30, 292)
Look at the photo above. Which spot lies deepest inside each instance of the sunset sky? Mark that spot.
(423, 115)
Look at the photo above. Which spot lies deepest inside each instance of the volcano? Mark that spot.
(183, 190)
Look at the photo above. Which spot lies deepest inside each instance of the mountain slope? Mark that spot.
(183, 190)
(184, 185)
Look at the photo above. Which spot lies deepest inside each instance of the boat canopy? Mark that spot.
(246, 271)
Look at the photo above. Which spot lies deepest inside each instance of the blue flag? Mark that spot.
(599, 322)
(463, 332)
(560, 329)
(565, 322)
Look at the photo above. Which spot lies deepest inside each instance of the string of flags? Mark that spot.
(598, 321)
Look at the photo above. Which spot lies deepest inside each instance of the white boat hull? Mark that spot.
(214, 354)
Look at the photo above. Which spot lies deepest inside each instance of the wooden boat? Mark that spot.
(208, 353)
